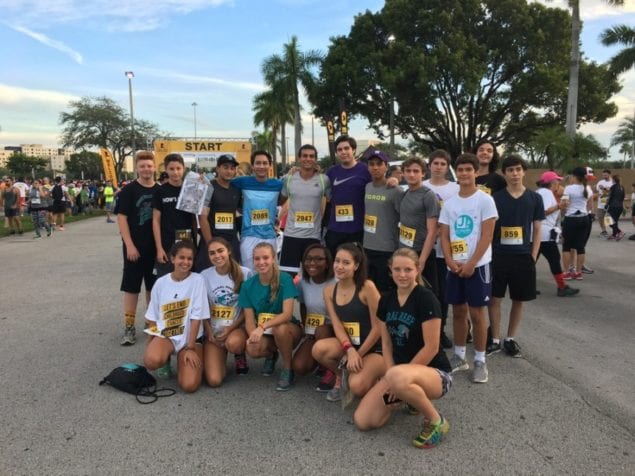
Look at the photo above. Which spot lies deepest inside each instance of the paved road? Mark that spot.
(567, 407)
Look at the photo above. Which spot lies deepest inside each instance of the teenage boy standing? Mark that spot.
(516, 245)
(134, 218)
(467, 225)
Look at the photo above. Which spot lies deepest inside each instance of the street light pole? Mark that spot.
(391, 120)
(194, 106)
(130, 75)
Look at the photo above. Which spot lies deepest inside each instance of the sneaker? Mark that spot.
(512, 348)
(446, 343)
(493, 348)
(165, 372)
(632, 237)
(457, 363)
(62, 228)
(431, 434)
(571, 269)
(327, 382)
(567, 291)
(577, 276)
(49, 231)
(567, 276)
(110, 221)
(619, 236)
(480, 373)
(334, 395)
(587, 270)
(270, 365)
(36, 236)
(286, 380)
(129, 336)
(240, 360)
(604, 233)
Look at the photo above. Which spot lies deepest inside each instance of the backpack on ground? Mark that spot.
(136, 380)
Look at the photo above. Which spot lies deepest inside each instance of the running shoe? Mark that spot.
(493, 348)
(270, 365)
(512, 348)
(619, 236)
(334, 395)
(587, 270)
(632, 237)
(129, 336)
(110, 221)
(572, 269)
(446, 343)
(480, 373)
(36, 236)
(327, 382)
(567, 291)
(611, 238)
(49, 230)
(240, 360)
(286, 380)
(431, 434)
(604, 234)
(578, 276)
(165, 372)
(62, 228)
(457, 363)
(567, 276)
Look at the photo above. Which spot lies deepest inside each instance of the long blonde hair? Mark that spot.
(275, 270)
(412, 255)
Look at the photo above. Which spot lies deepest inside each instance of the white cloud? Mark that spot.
(11, 95)
(45, 40)
(197, 79)
(113, 15)
(594, 9)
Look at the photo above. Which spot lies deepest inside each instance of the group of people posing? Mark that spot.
(376, 265)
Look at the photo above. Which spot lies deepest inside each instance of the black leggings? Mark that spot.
(575, 233)
(616, 213)
(549, 249)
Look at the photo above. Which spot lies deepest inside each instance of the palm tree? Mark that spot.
(625, 134)
(286, 71)
(622, 35)
(574, 68)
(273, 110)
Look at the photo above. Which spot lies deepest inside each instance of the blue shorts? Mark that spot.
(476, 290)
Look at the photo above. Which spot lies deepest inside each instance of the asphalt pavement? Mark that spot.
(567, 407)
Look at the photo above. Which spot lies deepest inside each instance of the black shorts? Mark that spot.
(292, 251)
(516, 271)
(134, 272)
(58, 207)
(11, 212)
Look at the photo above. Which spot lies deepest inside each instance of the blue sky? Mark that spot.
(203, 51)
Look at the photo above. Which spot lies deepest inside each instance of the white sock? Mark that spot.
(460, 351)
(479, 356)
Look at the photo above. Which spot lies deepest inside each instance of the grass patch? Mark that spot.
(27, 224)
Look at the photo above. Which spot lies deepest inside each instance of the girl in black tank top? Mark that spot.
(352, 306)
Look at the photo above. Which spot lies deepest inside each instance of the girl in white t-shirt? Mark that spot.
(178, 304)
(225, 330)
(576, 201)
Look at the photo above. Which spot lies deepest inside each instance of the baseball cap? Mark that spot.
(589, 173)
(375, 154)
(226, 159)
(549, 176)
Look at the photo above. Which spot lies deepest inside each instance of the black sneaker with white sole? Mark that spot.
(512, 348)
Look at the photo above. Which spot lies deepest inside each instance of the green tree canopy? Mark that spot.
(22, 165)
(87, 162)
(101, 122)
(460, 71)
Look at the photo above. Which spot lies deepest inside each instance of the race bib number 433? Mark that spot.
(344, 213)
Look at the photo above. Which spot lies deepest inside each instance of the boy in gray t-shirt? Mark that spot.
(381, 221)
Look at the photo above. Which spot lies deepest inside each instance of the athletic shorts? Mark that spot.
(516, 271)
(11, 212)
(134, 272)
(292, 251)
(476, 290)
(59, 207)
(109, 206)
(446, 381)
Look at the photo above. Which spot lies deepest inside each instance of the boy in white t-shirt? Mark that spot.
(603, 186)
(467, 226)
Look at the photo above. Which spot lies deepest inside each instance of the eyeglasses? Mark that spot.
(315, 259)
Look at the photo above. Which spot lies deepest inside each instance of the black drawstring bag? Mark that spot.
(136, 380)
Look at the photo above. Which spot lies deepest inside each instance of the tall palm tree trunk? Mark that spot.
(574, 71)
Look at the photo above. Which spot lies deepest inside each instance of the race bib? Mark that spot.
(182, 235)
(485, 189)
(313, 321)
(265, 317)
(304, 219)
(35, 201)
(344, 213)
(511, 235)
(407, 235)
(222, 316)
(352, 329)
(459, 250)
(370, 224)
(260, 217)
(224, 221)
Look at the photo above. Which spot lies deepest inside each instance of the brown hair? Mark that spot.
(143, 155)
(359, 257)
(413, 161)
(235, 271)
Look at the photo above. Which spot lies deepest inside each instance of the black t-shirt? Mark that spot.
(222, 211)
(404, 324)
(491, 183)
(515, 218)
(172, 220)
(135, 202)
